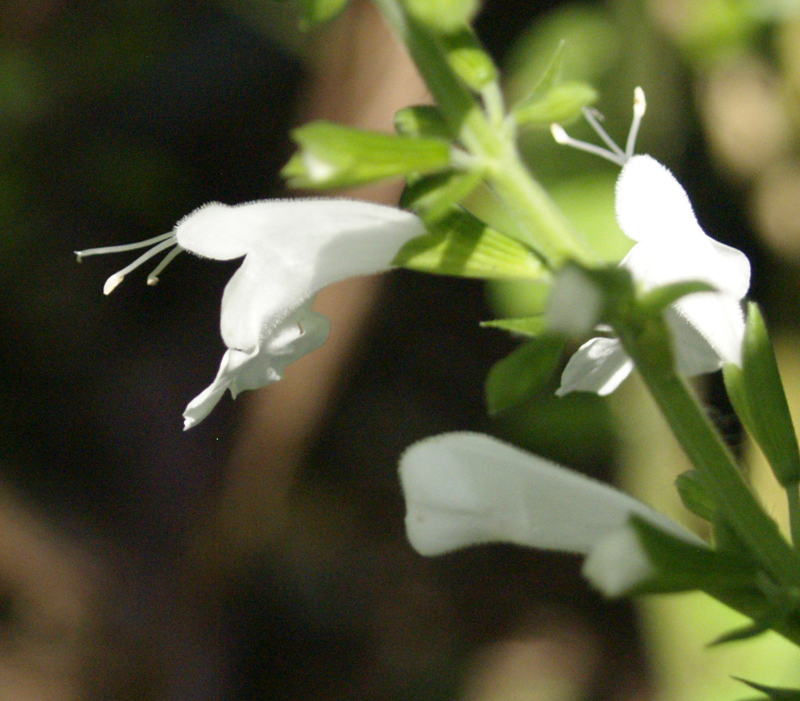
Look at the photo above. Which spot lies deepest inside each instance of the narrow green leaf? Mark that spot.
(333, 156)
(757, 394)
(551, 74)
(529, 326)
(523, 373)
(775, 693)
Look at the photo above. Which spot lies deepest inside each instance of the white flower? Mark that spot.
(291, 249)
(654, 211)
(465, 489)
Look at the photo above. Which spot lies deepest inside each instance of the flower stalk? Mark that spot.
(706, 450)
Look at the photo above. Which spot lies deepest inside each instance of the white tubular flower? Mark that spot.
(654, 211)
(291, 249)
(465, 489)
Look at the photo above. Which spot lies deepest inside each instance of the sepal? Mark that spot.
(335, 156)
(462, 245)
(684, 566)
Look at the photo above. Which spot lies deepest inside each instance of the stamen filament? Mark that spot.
(614, 153)
(590, 117)
(639, 107)
(118, 277)
(152, 278)
(565, 139)
(121, 249)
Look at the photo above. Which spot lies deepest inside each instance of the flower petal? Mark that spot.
(618, 563)
(297, 247)
(707, 330)
(305, 331)
(465, 489)
(599, 365)
(292, 249)
(652, 205)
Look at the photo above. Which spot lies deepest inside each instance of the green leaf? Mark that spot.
(333, 156)
(757, 394)
(522, 373)
(563, 103)
(462, 245)
(445, 16)
(773, 692)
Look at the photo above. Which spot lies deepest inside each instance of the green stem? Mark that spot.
(793, 497)
(714, 462)
(539, 223)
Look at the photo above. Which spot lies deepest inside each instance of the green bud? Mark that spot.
(464, 246)
(445, 16)
(757, 394)
(562, 103)
(468, 60)
(421, 120)
(522, 373)
(334, 156)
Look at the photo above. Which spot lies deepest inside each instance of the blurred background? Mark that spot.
(262, 554)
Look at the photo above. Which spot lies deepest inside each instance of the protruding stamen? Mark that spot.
(614, 153)
(591, 116)
(565, 139)
(121, 249)
(639, 107)
(117, 278)
(152, 278)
